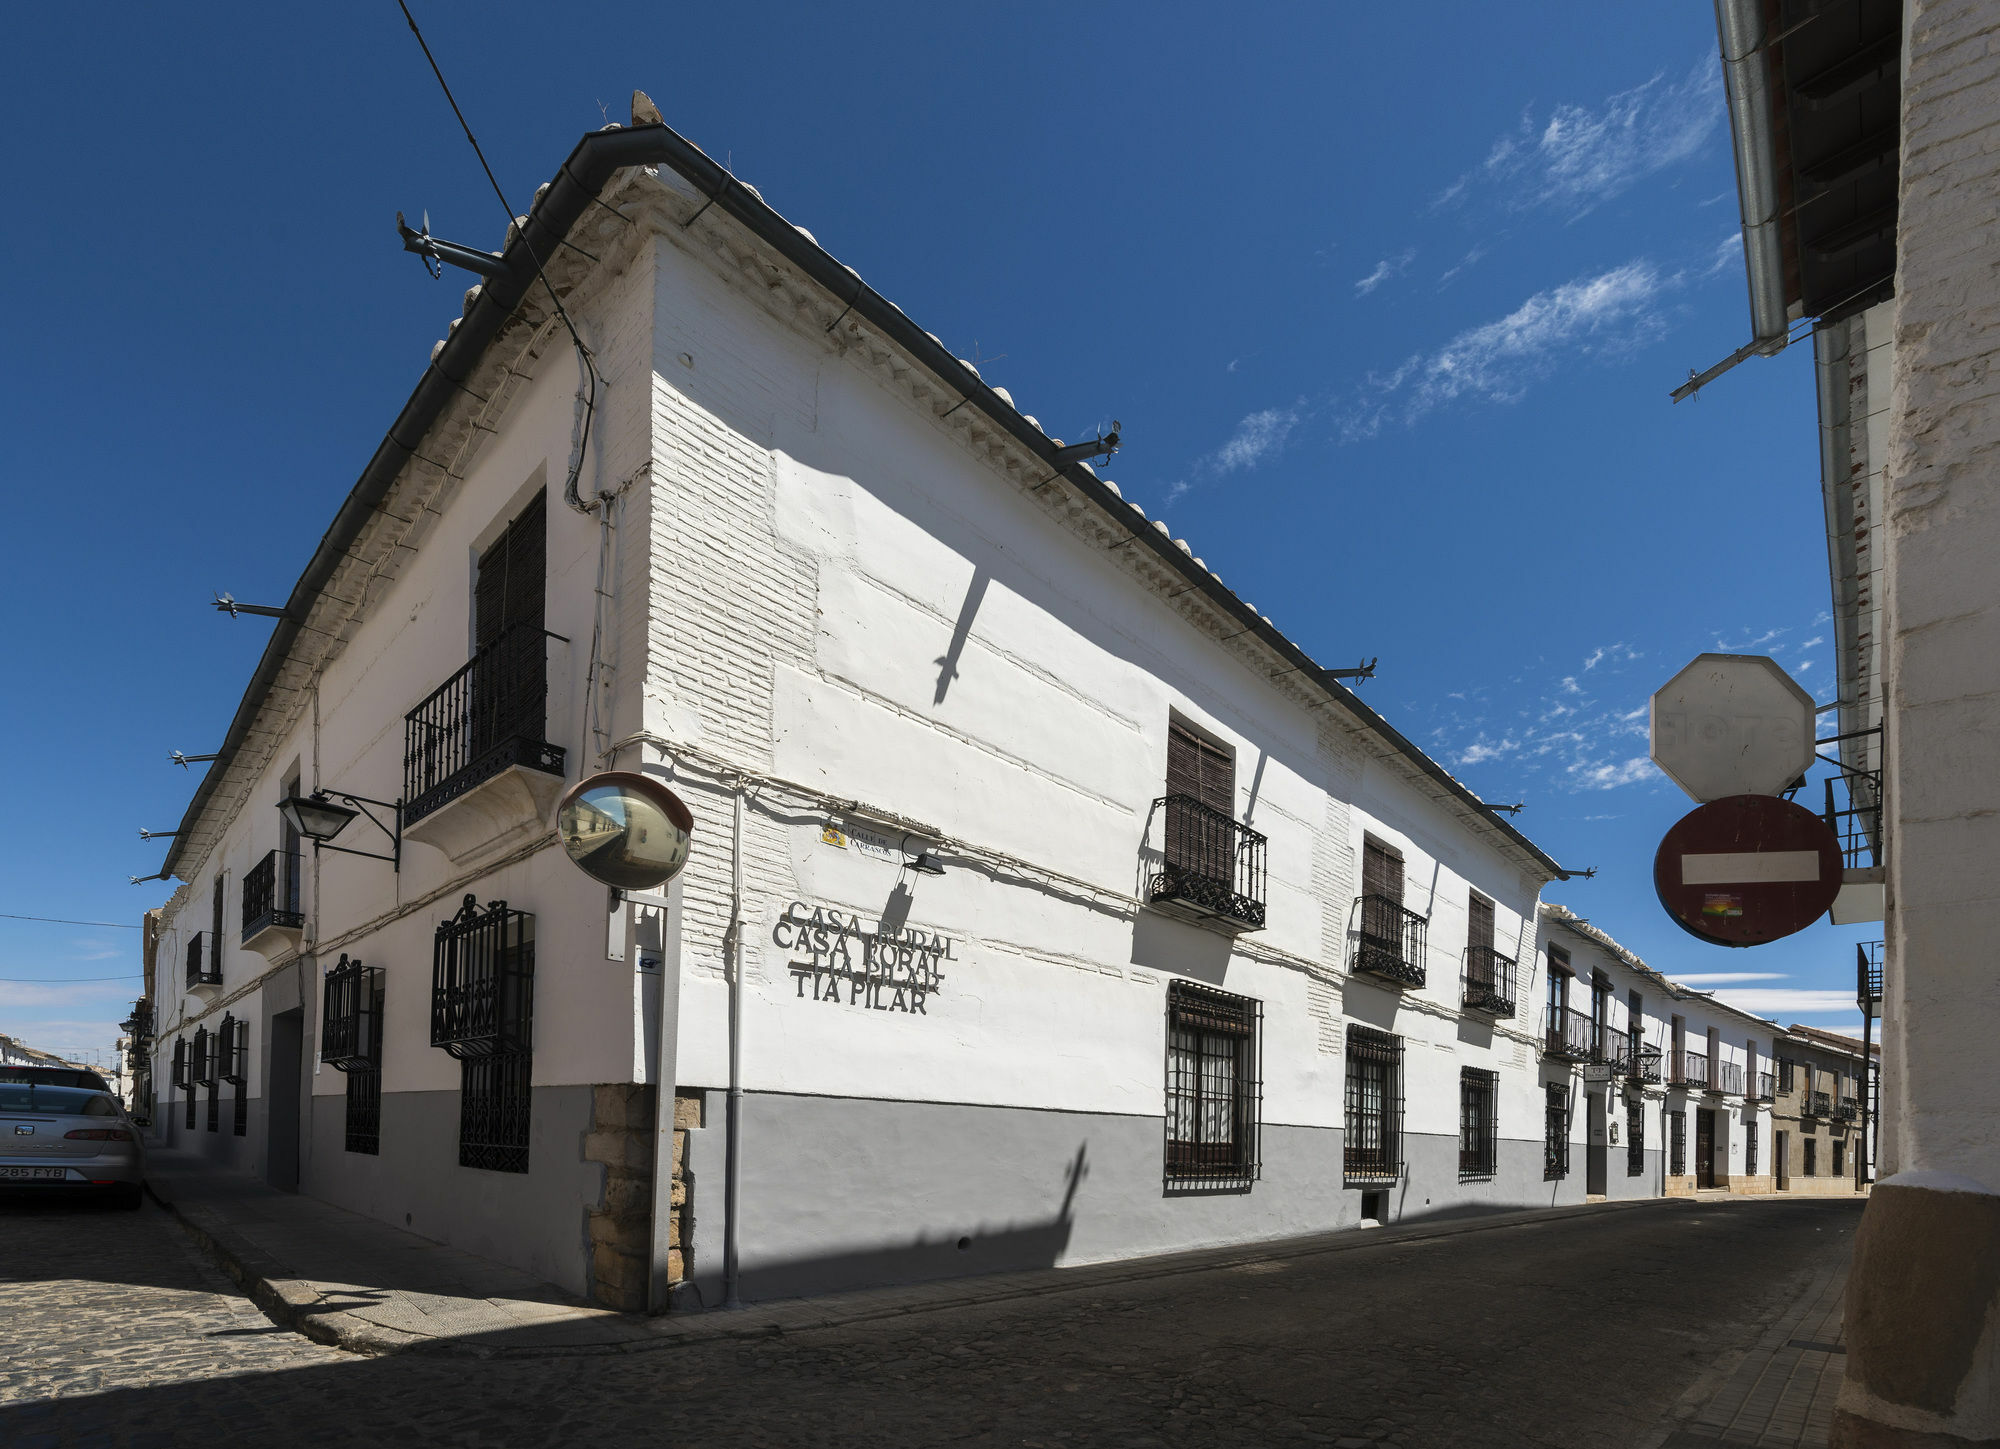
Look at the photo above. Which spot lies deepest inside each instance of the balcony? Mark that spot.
(1766, 1088)
(1729, 1079)
(1845, 1110)
(350, 1037)
(272, 918)
(1631, 1058)
(477, 774)
(1489, 982)
(1571, 1036)
(1868, 976)
(1691, 1071)
(483, 981)
(1816, 1104)
(1211, 869)
(1392, 941)
(204, 962)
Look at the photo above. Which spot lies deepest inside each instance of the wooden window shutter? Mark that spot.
(1381, 870)
(1201, 769)
(512, 574)
(1479, 924)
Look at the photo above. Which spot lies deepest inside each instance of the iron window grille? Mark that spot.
(1478, 1122)
(271, 894)
(1210, 865)
(494, 1111)
(489, 716)
(1568, 1034)
(483, 981)
(1750, 1146)
(214, 1107)
(1214, 1086)
(350, 1037)
(204, 962)
(233, 1047)
(1635, 1138)
(1373, 1148)
(1489, 981)
(180, 1077)
(1677, 1144)
(364, 1110)
(1555, 1134)
(204, 1057)
(1786, 1078)
(1391, 943)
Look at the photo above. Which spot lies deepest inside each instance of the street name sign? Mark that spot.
(1748, 869)
(1732, 724)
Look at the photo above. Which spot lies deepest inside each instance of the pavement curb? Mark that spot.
(293, 1305)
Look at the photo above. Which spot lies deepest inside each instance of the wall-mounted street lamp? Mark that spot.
(319, 817)
(925, 864)
(158, 834)
(230, 607)
(177, 758)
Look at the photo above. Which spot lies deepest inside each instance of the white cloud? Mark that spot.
(1728, 252)
(1256, 438)
(1470, 259)
(1703, 980)
(1611, 312)
(1580, 157)
(1609, 775)
(1788, 1001)
(1482, 750)
(23, 994)
(1816, 639)
(1385, 269)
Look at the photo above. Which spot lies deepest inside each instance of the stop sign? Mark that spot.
(1732, 724)
(1748, 869)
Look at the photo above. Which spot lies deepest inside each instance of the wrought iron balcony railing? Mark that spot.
(1392, 941)
(1845, 1109)
(1489, 981)
(1853, 812)
(1569, 1034)
(1868, 975)
(483, 981)
(489, 716)
(1691, 1070)
(271, 894)
(1729, 1079)
(204, 962)
(1631, 1058)
(1766, 1088)
(1816, 1104)
(350, 1037)
(1211, 866)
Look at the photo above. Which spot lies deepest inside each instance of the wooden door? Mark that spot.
(1704, 1148)
(1783, 1152)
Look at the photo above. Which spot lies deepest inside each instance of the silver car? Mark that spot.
(69, 1140)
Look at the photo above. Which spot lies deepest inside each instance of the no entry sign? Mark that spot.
(1747, 869)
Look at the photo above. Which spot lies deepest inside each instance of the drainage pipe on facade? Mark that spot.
(1746, 78)
(732, 1174)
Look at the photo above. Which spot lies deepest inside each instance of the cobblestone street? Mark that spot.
(1578, 1332)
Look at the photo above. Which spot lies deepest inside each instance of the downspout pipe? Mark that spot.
(732, 1172)
(1746, 79)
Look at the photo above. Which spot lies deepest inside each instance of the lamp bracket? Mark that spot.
(394, 830)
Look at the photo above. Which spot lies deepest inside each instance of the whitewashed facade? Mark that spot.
(857, 611)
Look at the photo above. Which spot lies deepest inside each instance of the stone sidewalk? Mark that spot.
(365, 1286)
(1779, 1393)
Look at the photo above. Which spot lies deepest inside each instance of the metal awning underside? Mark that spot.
(1836, 98)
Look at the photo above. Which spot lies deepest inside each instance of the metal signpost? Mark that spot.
(1732, 724)
(1746, 870)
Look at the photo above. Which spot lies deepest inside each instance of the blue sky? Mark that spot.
(1389, 314)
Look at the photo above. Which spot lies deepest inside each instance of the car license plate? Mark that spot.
(33, 1174)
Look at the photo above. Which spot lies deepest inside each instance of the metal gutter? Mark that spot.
(1747, 82)
(597, 157)
(1831, 374)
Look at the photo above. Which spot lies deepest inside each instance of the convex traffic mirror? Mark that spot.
(624, 829)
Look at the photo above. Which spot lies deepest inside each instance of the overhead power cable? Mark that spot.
(65, 921)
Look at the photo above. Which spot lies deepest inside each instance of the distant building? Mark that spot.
(1818, 1117)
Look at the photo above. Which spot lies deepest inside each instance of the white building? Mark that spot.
(1215, 954)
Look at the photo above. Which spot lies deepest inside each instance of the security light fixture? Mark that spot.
(319, 817)
(926, 864)
(1102, 446)
(230, 607)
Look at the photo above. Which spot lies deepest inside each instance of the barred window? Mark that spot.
(364, 1110)
(1839, 1157)
(1478, 1122)
(1555, 1134)
(1374, 1148)
(1635, 1137)
(1677, 1144)
(482, 1012)
(1214, 1089)
(1784, 1075)
(1750, 1145)
(1812, 1156)
(493, 1111)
